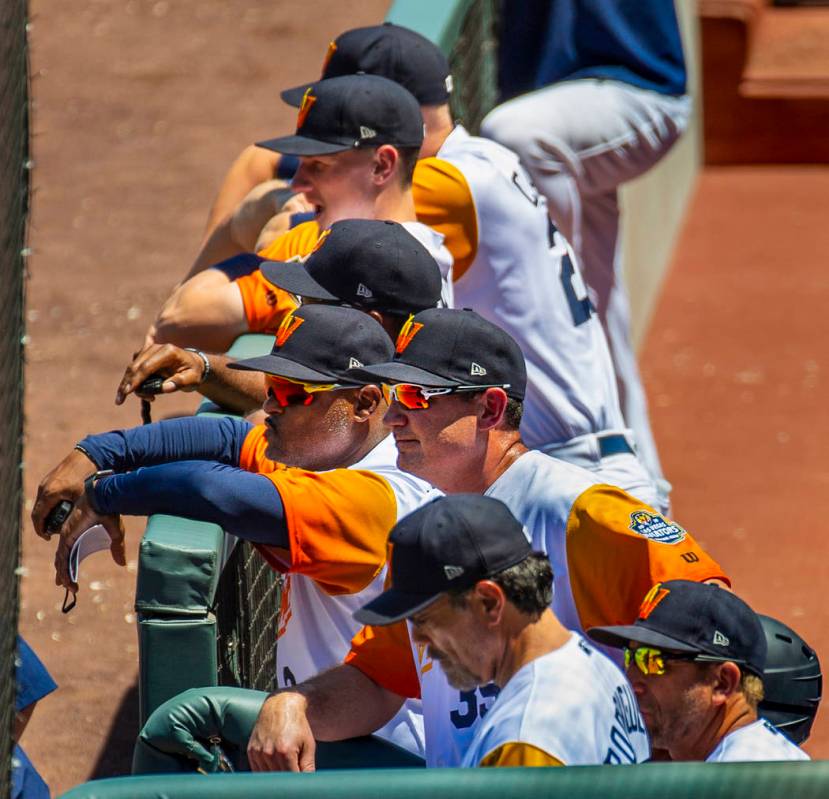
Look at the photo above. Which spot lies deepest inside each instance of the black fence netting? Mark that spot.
(14, 196)
(473, 61)
(247, 619)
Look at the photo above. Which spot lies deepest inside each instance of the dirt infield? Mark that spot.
(139, 108)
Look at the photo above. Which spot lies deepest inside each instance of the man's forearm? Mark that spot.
(191, 438)
(343, 703)
(233, 389)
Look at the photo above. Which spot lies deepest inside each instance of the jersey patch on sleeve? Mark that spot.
(656, 527)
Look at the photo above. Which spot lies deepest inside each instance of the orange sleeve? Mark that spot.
(265, 304)
(252, 457)
(443, 201)
(338, 524)
(618, 548)
(384, 654)
(519, 753)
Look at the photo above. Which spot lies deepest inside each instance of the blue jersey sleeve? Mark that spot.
(189, 438)
(240, 502)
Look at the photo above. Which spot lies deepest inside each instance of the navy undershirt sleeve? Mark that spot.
(242, 503)
(203, 438)
(239, 265)
(288, 165)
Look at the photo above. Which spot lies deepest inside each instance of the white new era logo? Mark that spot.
(364, 291)
(367, 133)
(720, 639)
(353, 363)
(477, 369)
(452, 572)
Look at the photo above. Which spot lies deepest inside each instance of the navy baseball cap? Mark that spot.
(696, 618)
(352, 111)
(396, 53)
(448, 348)
(366, 263)
(449, 544)
(319, 343)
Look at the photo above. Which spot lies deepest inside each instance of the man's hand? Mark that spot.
(80, 520)
(182, 370)
(282, 739)
(65, 481)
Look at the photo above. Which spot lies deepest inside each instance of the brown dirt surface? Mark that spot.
(140, 107)
(736, 362)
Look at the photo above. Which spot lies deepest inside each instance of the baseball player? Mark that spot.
(455, 388)
(695, 657)
(602, 87)
(377, 267)
(478, 598)
(315, 488)
(509, 264)
(358, 138)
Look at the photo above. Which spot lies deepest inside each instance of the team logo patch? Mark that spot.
(320, 242)
(308, 100)
(288, 327)
(477, 370)
(409, 330)
(655, 527)
(652, 599)
(332, 48)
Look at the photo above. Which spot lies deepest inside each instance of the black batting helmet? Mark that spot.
(792, 681)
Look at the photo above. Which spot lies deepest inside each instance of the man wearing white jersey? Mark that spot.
(695, 658)
(455, 390)
(315, 488)
(357, 138)
(510, 264)
(478, 598)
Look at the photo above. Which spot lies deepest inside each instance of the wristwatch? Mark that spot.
(89, 486)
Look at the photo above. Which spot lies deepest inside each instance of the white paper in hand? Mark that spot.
(92, 540)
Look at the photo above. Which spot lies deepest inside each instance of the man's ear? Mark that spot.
(385, 161)
(725, 682)
(490, 600)
(493, 406)
(366, 402)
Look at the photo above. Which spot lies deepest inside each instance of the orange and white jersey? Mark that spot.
(570, 707)
(266, 305)
(338, 524)
(511, 269)
(607, 549)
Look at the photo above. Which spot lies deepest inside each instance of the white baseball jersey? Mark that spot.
(570, 707)
(757, 741)
(338, 523)
(607, 550)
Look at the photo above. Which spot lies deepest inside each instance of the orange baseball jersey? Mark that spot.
(266, 305)
(338, 523)
(606, 548)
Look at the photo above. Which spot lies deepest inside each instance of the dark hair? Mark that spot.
(528, 585)
(513, 413)
(408, 160)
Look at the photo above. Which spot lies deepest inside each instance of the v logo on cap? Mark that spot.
(289, 325)
(308, 100)
(652, 599)
(409, 330)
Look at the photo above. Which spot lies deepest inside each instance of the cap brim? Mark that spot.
(621, 636)
(393, 606)
(292, 276)
(294, 96)
(399, 372)
(302, 145)
(283, 367)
